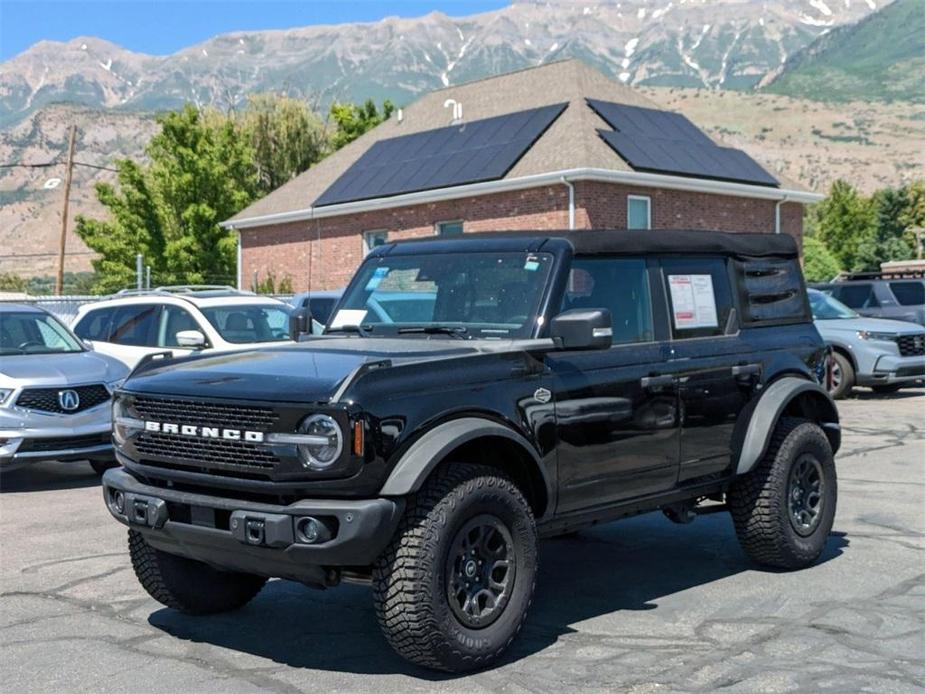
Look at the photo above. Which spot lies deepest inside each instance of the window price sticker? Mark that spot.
(693, 301)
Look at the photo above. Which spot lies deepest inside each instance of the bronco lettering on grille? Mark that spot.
(204, 432)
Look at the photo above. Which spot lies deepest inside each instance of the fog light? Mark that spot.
(311, 531)
(118, 501)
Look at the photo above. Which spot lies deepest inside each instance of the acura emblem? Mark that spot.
(69, 400)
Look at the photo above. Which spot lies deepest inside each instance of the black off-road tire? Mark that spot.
(411, 578)
(845, 375)
(760, 502)
(101, 466)
(187, 585)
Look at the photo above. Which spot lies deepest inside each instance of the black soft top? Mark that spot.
(610, 242)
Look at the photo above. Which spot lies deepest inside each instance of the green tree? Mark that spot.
(887, 242)
(353, 120)
(843, 221)
(819, 264)
(12, 283)
(286, 136)
(913, 217)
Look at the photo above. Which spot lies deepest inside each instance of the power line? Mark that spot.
(42, 255)
(57, 163)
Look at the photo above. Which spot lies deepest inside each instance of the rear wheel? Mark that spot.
(188, 585)
(783, 510)
(886, 390)
(843, 376)
(453, 588)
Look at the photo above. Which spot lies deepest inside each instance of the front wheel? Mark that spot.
(886, 390)
(843, 376)
(453, 588)
(783, 510)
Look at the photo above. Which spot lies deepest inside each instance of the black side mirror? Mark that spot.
(300, 322)
(582, 329)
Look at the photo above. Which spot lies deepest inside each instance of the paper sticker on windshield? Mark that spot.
(348, 316)
(532, 264)
(377, 278)
(693, 301)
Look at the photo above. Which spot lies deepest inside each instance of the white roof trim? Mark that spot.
(632, 178)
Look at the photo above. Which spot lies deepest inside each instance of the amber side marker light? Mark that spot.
(358, 436)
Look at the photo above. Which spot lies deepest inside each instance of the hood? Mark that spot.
(77, 368)
(304, 372)
(874, 325)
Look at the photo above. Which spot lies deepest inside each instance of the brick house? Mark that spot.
(568, 176)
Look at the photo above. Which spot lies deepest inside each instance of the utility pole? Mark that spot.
(59, 282)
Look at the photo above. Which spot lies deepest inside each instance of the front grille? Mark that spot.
(233, 456)
(47, 399)
(911, 345)
(63, 443)
(205, 413)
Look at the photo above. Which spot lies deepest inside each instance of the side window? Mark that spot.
(618, 284)
(909, 293)
(638, 212)
(371, 239)
(174, 319)
(699, 296)
(135, 325)
(321, 309)
(449, 228)
(857, 295)
(94, 325)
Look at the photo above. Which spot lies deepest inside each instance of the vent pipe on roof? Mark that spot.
(400, 116)
(457, 109)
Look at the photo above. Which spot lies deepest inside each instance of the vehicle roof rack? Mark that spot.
(181, 289)
(912, 274)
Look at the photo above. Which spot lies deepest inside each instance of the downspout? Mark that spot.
(238, 252)
(780, 202)
(571, 202)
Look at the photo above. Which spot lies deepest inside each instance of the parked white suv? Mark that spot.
(181, 320)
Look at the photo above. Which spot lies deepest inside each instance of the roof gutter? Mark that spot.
(630, 178)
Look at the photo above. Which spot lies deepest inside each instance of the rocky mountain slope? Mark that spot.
(691, 43)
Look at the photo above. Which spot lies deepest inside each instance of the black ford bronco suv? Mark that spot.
(468, 397)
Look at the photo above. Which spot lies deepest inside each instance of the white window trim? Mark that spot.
(366, 236)
(648, 200)
(437, 225)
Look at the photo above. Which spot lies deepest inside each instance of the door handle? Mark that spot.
(746, 369)
(657, 381)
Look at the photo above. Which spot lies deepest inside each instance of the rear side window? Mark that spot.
(94, 325)
(618, 284)
(699, 296)
(770, 292)
(909, 293)
(856, 295)
(135, 325)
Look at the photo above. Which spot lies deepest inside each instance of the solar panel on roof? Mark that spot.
(482, 150)
(652, 140)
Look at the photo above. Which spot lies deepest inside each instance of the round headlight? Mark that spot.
(321, 455)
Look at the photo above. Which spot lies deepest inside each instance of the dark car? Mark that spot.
(877, 295)
(540, 383)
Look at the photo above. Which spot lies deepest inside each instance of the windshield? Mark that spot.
(35, 333)
(824, 307)
(467, 295)
(249, 322)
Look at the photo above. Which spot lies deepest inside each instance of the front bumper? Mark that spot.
(258, 538)
(29, 437)
(890, 369)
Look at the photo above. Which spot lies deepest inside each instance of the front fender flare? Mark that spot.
(427, 452)
(768, 410)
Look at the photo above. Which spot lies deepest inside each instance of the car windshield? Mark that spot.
(824, 307)
(248, 323)
(461, 295)
(35, 333)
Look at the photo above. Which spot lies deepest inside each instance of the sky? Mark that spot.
(165, 26)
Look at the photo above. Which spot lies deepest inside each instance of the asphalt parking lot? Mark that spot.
(640, 606)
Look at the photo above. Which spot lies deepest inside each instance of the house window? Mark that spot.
(371, 239)
(638, 212)
(449, 228)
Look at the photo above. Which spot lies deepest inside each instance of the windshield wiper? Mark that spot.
(361, 330)
(457, 331)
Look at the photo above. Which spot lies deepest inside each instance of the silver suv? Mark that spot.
(54, 392)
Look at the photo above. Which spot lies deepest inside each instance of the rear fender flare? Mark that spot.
(808, 398)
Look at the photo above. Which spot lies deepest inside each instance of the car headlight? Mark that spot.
(4, 394)
(328, 441)
(873, 335)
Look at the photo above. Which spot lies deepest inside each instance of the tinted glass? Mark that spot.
(94, 325)
(909, 293)
(34, 333)
(478, 294)
(321, 309)
(699, 296)
(450, 228)
(856, 295)
(249, 323)
(134, 325)
(174, 319)
(637, 213)
(824, 307)
(618, 284)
